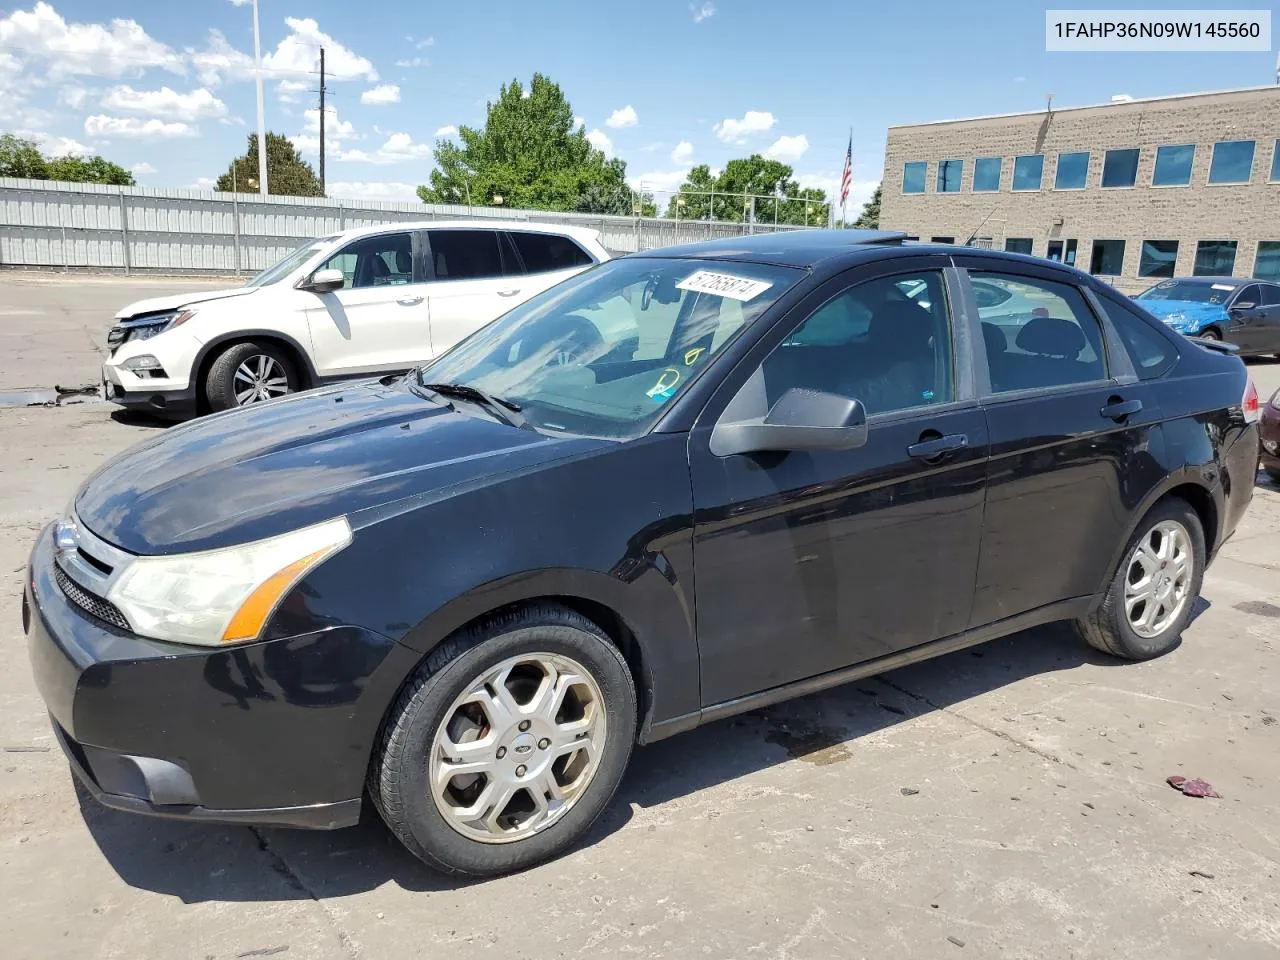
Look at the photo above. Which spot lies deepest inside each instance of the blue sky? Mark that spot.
(166, 87)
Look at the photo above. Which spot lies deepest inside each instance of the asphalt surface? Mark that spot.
(1006, 801)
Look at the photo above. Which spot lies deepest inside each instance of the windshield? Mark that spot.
(602, 354)
(291, 262)
(1197, 291)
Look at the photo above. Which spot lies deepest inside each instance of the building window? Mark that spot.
(942, 239)
(1108, 258)
(1019, 245)
(1158, 258)
(1028, 171)
(1275, 163)
(949, 174)
(1173, 165)
(986, 174)
(1215, 258)
(1266, 266)
(1120, 168)
(1232, 161)
(913, 175)
(1073, 171)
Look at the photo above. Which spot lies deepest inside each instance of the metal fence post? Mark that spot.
(62, 223)
(124, 233)
(235, 228)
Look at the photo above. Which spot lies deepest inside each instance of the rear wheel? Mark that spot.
(1213, 333)
(1149, 600)
(248, 373)
(507, 744)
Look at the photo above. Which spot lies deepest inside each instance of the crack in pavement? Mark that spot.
(295, 880)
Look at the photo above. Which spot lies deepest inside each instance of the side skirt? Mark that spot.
(1072, 609)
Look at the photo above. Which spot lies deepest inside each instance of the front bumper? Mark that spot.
(163, 399)
(276, 732)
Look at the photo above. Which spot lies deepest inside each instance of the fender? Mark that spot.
(313, 379)
(664, 648)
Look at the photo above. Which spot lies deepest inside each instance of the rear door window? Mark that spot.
(1043, 335)
(545, 252)
(465, 254)
(1270, 294)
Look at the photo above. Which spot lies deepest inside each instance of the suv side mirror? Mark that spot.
(801, 420)
(325, 281)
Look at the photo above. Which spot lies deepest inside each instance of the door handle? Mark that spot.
(409, 301)
(508, 293)
(1117, 408)
(938, 446)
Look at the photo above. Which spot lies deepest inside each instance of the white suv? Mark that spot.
(366, 301)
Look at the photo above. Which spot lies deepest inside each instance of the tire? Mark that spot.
(457, 828)
(1213, 333)
(1110, 627)
(227, 380)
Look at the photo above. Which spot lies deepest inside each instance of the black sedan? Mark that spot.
(679, 486)
(1242, 312)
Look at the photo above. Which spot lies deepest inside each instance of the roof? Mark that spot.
(480, 223)
(1090, 106)
(789, 248)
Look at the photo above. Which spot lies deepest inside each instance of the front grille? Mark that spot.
(96, 607)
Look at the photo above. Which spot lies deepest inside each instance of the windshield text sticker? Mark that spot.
(724, 285)
(1223, 286)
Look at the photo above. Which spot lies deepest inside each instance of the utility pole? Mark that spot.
(262, 124)
(322, 91)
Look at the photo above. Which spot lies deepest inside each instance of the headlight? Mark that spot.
(221, 596)
(150, 327)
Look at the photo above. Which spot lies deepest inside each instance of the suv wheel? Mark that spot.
(247, 373)
(1149, 601)
(507, 744)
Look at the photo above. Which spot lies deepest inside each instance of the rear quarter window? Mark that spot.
(545, 252)
(1152, 352)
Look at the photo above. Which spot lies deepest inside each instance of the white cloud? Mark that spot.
(63, 146)
(204, 183)
(652, 147)
(682, 152)
(579, 122)
(383, 93)
(413, 63)
(425, 42)
(703, 11)
(787, 148)
(241, 3)
(165, 102)
(736, 131)
(598, 139)
(399, 148)
(73, 95)
(447, 131)
(622, 117)
(289, 91)
(135, 128)
(142, 168)
(296, 56)
(860, 191)
(334, 127)
(659, 181)
(372, 190)
(86, 49)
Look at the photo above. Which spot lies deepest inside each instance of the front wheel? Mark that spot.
(1213, 333)
(248, 373)
(507, 744)
(1149, 600)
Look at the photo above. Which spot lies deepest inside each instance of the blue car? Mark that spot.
(1240, 311)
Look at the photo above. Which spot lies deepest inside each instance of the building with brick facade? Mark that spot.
(1132, 191)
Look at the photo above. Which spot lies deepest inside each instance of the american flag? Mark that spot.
(846, 178)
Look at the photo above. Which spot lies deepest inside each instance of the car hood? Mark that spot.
(254, 473)
(161, 304)
(1185, 313)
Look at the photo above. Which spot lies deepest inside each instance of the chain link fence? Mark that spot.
(78, 226)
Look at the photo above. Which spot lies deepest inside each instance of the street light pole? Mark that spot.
(262, 125)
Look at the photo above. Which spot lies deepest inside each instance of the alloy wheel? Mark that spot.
(518, 748)
(259, 378)
(1158, 578)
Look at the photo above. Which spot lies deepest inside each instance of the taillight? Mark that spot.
(1252, 409)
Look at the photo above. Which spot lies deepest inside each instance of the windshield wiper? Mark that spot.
(508, 411)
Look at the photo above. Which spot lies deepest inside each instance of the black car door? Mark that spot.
(1269, 321)
(1246, 324)
(806, 562)
(1069, 426)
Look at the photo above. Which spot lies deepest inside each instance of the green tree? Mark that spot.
(89, 170)
(21, 158)
(288, 174)
(749, 189)
(531, 154)
(869, 218)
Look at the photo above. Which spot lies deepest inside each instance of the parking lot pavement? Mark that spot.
(53, 327)
(1008, 801)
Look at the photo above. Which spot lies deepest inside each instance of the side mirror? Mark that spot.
(1242, 306)
(325, 281)
(800, 420)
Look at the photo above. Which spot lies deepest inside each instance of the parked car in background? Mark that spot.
(365, 301)
(466, 594)
(1270, 431)
(1240, 311)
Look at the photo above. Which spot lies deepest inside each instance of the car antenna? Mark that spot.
(973, 236)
